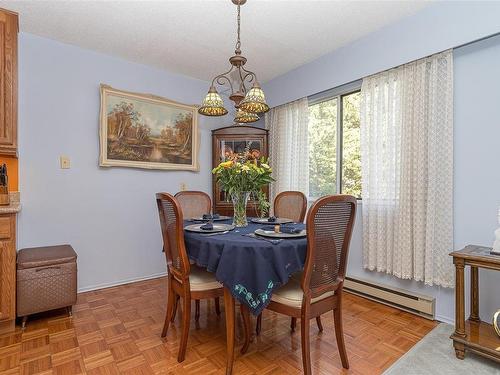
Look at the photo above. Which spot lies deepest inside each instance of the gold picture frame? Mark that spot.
(147, 131)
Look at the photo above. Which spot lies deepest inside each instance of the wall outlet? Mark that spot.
(65, 162)
(183, 186)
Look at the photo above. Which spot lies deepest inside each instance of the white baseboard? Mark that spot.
(445, 319)
(121, 282)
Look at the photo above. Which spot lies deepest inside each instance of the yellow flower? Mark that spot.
(226, 164)
(264, 165)
(246, 168)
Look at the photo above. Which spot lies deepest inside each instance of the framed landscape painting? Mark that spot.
(146, 131)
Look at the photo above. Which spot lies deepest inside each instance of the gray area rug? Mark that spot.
(434, 354)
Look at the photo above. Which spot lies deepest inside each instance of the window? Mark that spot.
(334, 145)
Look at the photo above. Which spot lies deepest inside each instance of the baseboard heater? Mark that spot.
(401, 299)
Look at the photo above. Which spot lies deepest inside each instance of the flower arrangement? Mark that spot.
(242, 178)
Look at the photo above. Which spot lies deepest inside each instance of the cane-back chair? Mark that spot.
(290, 205)
(194, 204)
(185, 280)
(319, 288)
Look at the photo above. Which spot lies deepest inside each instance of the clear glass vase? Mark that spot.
(240, 200)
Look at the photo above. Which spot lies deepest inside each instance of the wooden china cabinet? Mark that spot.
(228, 142)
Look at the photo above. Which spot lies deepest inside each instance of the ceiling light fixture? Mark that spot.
(248, 103)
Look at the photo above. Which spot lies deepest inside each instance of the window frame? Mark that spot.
(337, 93)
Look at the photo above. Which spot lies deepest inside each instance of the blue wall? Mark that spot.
(477, 155)
(109, 215)
(477, 130)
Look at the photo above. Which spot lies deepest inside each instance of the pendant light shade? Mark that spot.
(243, 117)
(255, 100)
(212, 105)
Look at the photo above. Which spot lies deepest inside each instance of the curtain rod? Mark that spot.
(452, 48)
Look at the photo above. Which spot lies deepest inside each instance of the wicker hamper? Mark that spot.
(46, 279)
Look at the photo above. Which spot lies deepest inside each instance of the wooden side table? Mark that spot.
(473, 334)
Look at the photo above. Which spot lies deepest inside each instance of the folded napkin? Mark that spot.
(290, 230)
(207, 226)
(207, 216)
(215, 216)
(272, 219)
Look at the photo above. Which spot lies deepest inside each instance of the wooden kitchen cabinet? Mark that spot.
(8, 82)
(7, 271)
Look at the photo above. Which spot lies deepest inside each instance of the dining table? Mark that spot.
(250, 268)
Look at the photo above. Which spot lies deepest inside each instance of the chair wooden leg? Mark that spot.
(176, 303)
(318, 322)
(305, 342)
(258, 324)
(217, 306)
(186, 318)
(339, 334)
(171, 298)
(229, 310)
(245, 315)
(197, 310)
(293, 324)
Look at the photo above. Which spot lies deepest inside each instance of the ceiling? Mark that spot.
(196, 38)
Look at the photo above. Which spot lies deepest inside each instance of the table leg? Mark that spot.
(474, 294)
(229, 309)
(245, 315)
(459, 307)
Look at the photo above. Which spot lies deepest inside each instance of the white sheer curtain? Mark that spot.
(407, 170)
(288, 147)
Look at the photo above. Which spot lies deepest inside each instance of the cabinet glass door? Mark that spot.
(241, 149)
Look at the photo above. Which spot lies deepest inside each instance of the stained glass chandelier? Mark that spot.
(248, 103)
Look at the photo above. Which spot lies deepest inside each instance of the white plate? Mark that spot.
(279, 220)
(220, 218)
(217, 228)
(273, 234)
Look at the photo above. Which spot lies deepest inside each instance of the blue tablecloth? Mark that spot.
(249, 267)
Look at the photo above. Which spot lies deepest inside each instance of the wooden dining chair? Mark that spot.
(290, 205)
(319, 288)
(186, 281)
(194, 204)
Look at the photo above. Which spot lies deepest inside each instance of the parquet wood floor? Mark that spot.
(117, 331)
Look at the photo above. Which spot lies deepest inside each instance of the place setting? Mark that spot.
(283, 231)
(210, 217)
(278, 234)
(210, 228)
(272, 220)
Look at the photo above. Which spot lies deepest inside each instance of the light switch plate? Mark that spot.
(183, 186)
(65, 162)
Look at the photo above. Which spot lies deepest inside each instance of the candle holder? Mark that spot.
(496, 244)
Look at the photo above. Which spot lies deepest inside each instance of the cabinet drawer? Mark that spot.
(5, 228)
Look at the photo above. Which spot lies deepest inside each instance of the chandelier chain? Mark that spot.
(238, 42)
